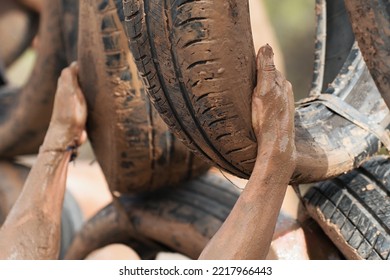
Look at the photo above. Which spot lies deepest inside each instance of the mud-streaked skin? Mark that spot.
(32, 228)
(248, 230)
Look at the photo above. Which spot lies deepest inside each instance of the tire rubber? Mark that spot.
(353, 210)
(327, 144)
(182, 219)
(371, 25)
(132, 144)
(16, 39)
(25, 113)
(198, 64)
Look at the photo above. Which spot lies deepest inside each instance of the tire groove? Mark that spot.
(371, 177)
(347, 217)
(162, 82)
(188, 102)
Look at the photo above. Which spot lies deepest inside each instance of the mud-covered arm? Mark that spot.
(247, 232)
(32, 229)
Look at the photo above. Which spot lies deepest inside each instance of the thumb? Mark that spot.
(265, 59)
(266, 71)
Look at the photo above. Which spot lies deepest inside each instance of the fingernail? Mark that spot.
(265, 59)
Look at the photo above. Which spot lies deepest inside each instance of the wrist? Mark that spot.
(59, 143)
(274, 163)
(58, 138)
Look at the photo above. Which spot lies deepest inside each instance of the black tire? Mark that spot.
(327, 144)
(16, 39)
(371, 24)
(182, 219)
(353, 210)
(131, 142)
(12, 178)
(25, 112)
(3, 78)
(198, 64)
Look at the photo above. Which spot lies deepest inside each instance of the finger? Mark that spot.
(266, 71)
(74, 67)
(83, 138)
(265, 59)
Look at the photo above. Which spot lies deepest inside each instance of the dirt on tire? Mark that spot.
(132, 144)
(353, 210)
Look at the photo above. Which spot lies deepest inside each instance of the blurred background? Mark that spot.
(294, 26)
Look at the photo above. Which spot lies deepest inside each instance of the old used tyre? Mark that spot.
(12, 178)
(25, 112)
(371, 25)
(132, 144)
(18, 26)
(182, 220)
(198, 64)
(174, 48)
(353, 210)
(327, 143)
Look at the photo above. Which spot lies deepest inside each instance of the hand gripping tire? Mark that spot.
(192, 59)
(353, 210)
(181, 219)
(371, 24)
(132, 144)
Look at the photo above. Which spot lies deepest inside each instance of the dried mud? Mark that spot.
(371, 25)
(131, 142)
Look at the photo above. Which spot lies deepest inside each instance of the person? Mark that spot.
(247, 231)
(31, 230)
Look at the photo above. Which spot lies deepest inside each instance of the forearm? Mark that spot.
(32, 229)
(248, 230)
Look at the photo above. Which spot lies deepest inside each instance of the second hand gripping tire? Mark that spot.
(193, 55)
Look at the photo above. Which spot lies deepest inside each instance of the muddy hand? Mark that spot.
(69, 113)
(272, 108)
